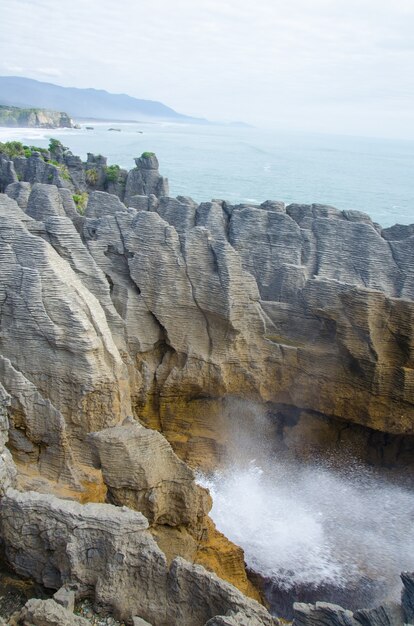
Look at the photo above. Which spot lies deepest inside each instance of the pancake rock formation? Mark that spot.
(128, 333)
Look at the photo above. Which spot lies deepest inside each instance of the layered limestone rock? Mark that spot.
(7, 467)
(323, 613)
(145, 178)
(170, 311)
(108, 552)
(58, 166)
(142, 472)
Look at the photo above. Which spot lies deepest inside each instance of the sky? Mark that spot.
(334, 66)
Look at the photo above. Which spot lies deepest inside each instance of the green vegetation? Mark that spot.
(64, 172)
(12, 149)
(80, 200)
(56, 146)
(147, 155)
(91, 176)
(112, 173)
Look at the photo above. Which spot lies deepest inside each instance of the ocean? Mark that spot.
(251, 165)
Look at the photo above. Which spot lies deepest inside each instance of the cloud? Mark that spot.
(225, 58)
(13, 68)
(48, 71)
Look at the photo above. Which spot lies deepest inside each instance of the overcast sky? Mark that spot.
(342, 66)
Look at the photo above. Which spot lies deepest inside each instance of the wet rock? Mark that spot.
(388, 614)
(322, 614)
(408, 595)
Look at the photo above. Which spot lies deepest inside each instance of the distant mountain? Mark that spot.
(86, 103)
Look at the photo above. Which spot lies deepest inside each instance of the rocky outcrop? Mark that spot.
(145, 179)
(325, 614)
(8, 174)
(108, 552)
(143, 473)
(33, 118)
(101, 203)
(168, 314)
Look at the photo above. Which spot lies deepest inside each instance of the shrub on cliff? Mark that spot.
(80, 200)
(56, 146)
(112, 173)
(12, 149)
(91, 176)
(147, 155)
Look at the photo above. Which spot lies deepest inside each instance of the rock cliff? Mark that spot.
(33, 118)
(149, 312)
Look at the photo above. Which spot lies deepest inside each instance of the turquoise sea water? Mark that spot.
(253, 165)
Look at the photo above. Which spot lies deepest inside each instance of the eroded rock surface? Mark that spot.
(159, 309)
(109, 552)
(49, 613)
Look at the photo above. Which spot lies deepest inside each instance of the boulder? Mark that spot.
(66, 598)
(49, 613)
(142, 472)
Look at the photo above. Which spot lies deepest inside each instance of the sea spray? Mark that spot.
(318, 524)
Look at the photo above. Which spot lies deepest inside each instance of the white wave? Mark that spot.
(308, 523)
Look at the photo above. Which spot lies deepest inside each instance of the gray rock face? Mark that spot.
(108, 551)
(7, 467)
(35, 170)
(8, 174)
(180, 214)
(101, 203)
(20, 192)
(49, 613)
(209, 597)
(145, 179)
(408, 595)
(322, 614)
(44, 201)
(49, 310)
(389, 614)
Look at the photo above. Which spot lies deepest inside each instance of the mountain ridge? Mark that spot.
(85, 102)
